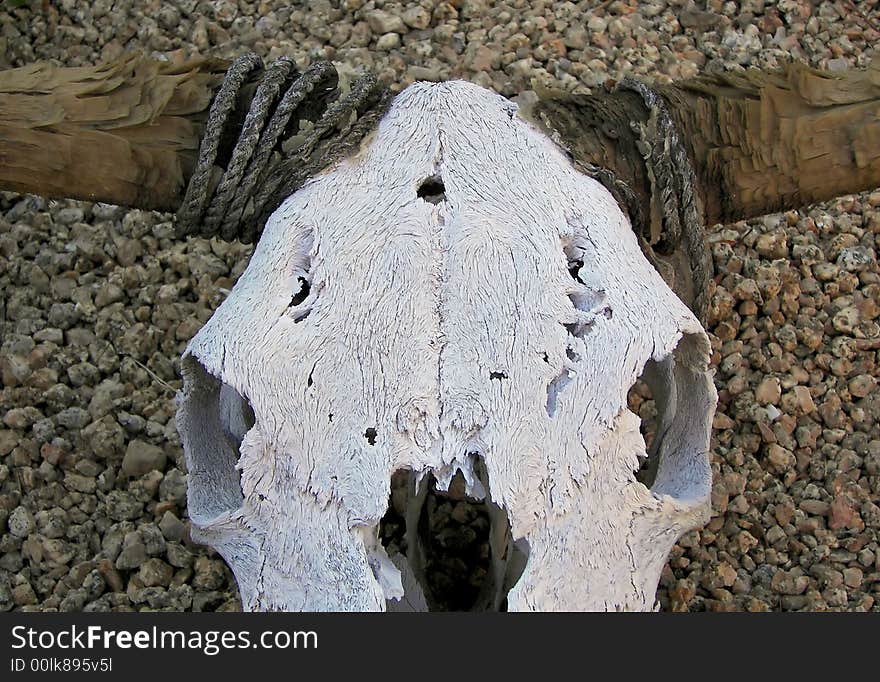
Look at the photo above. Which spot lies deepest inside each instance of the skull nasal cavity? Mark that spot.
(432, 190)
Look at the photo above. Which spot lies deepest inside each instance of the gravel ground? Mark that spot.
(97, 304)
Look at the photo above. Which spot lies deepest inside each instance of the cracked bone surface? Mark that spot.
(455, 297)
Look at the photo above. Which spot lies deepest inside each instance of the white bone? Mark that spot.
(433, 331)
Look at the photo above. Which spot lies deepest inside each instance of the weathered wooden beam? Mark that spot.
(126, 132)
(766, 142)
(760, 142)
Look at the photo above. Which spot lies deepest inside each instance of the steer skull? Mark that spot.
(456, 297)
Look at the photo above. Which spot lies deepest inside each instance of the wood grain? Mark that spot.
(127, 132)
(124, 132)
(760, 142)
(767, 142)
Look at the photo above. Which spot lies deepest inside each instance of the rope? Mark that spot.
(198, 189)
(676, 219)
(232, 197)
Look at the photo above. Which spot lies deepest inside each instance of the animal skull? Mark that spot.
(414, 308)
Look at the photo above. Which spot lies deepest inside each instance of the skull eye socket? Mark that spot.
(672, 398)
(640, 401)
(212, 420)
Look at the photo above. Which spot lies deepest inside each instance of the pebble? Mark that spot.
(769, 391)
(382, 23)
(388, 41)
(133, 553)
(20, 522)
(141, 458)
(172, 528)
(208, 573)
(155, 572)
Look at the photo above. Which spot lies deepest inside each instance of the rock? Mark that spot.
(862, 385)
(831, 412)
(417, 18)
(133, 552)
(110, 575)
(699, 20)
(155, 572)
(789, 582)
(52, 523)
(804, 398)
(83, 374)
(382, 22)
(173, 487)
(844, 513)
(63, 315)
(482, 59)
(94, 584)
(14, 370)
(209, 574)
(57, 552)
(8, 441)
(206, 601)
(769, 391)
(20, 522)
(151, 536)
(576, 38)
(105, 394)
(22, 417)
(815, 507)
(420, 73)
(388, 41)
(172, 528)
(105, 437)
(122, 506)
(107, 294)
(69, 216)
(780, 459)
(132, 423)
(856, 258)
(682, 594)
(852, 577)
(73, 418)
(179, 556)
(141, 458)
(846, 319)
(73, 601)
(772, 245)
(23, 595)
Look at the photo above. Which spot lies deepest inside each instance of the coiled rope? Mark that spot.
(295, 125)
(674, 204)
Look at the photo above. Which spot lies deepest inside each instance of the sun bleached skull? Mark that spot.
(457, 297)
